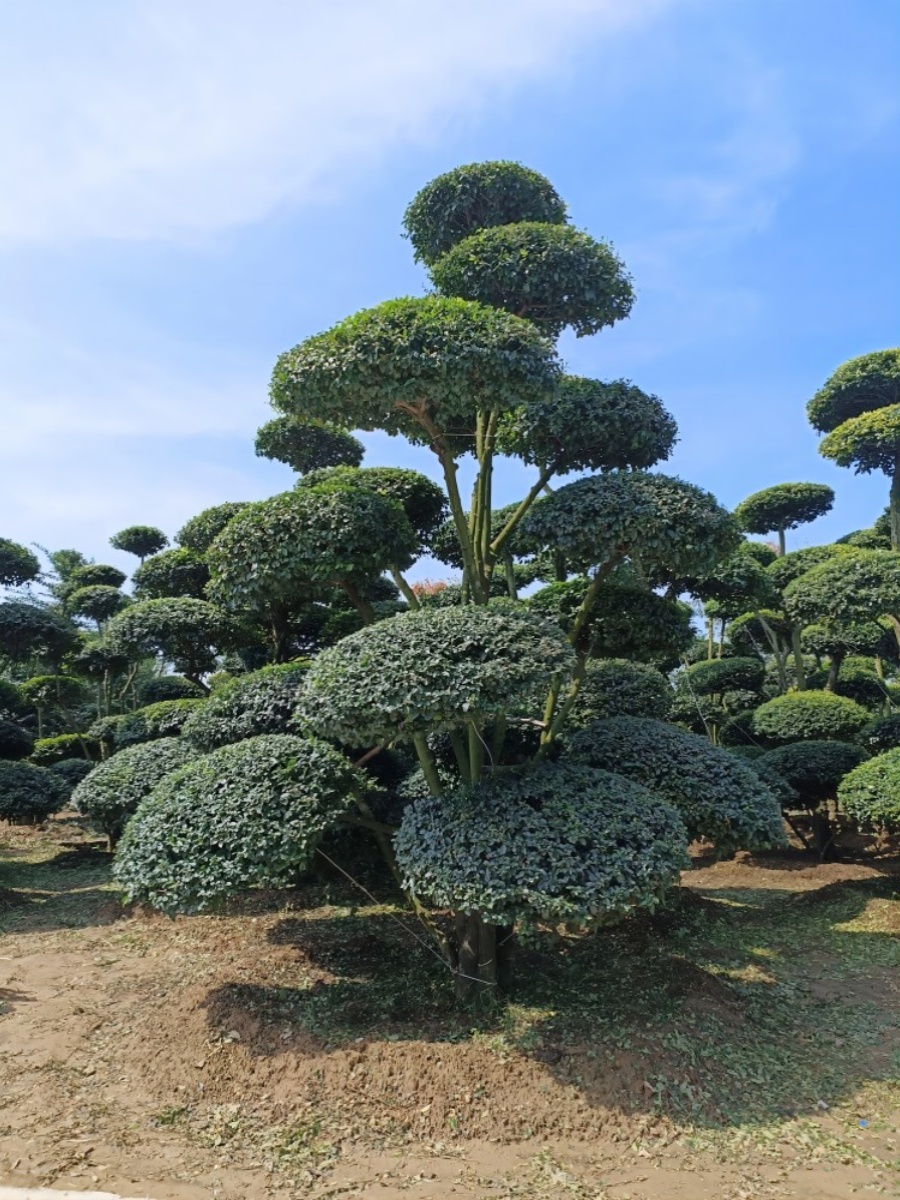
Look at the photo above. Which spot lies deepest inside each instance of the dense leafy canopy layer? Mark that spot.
(619, 688)
(111, 793)
(261, 702)
(791, 566)
(29, 794)
(94, 575)
(423, 502)
(720, 675)
(870, 638)
(162, 719)
(718, 796)
(412, 365)
(554, 275)
(51, 750)
(178, 572)
(247, 814)
(809, 716)
(860, 385)
(814, 769)
(141, 540)
(168, 687)
(433, 670)
(478, 196)
(871, 793)
(15, 742)
(28, 629)
(98, 602)
(589, 425)
(869, 442)
(857, 585)
(308, 445)
(784, 506)
(199, 533)
(188, 633)
(559, 842)
(17, 564)
(881, 734)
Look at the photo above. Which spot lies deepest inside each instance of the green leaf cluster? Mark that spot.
(619, 688)
(29, 794)
(871, 793)
(260, 702)
(307, 445)
(163, 719)
(177, 572)
(815, 768)
(809, 716)
(199, 533)
(784, 506)
(17, 564)
(15, 742)
(110, 795)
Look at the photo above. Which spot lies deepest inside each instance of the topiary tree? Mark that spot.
(260, 702)
(859, 409)
(49, 695)
(619, 688)
(714, 677)
(167, 687)
(47, 751)
(185, 632)
(308, 445)
(98, 603)
(15, 742)
(29, 794)
(71, 771)
(32, 633)
(177, 572)
(813, 770)
(718, 797)
(93, 575)
(870, 794)
(785, 506)
(140, 540)
(809, 716)
(163, 719)
(247, 814)
(17, 564)
(881, 734)
(199, 533)
(854, 586)
(111, 793)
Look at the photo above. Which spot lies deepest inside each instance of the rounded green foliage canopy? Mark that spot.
(178, 572)
(51, 750)
(738, 583)
(187, 632)
(162, 719)
(261, 702)
(619, 688)
(674, 527)
(433, 670)
(720, 675)
(881, 734)
(871, 793)
(313, 537)
(247, 814)
(110, 795)
(869, 442)
(423, 502)
(94, 575)
(590, 425)
(98, 602)
(719, 797)
(412, 365)
(856, 585)
(168, 687)
(52, 691)
(809, 716)
(28, 629)
(784, 506)
(792, 565)
(308, 445)
(17, 564)
(859, 385)
(557, 842)
(814, 769)
(554, 275)
(477, 196)
(199, 533)
(141, 540)
(15, 742)
(870, 638)
(29, 794)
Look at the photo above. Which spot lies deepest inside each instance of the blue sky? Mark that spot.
(192, 186)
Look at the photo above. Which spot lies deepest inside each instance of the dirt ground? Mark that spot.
(744, 1045)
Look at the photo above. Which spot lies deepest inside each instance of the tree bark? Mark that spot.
(483, 958)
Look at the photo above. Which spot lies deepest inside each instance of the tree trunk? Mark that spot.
(834, 671)
(799, 669)
(781, 543)
(894, 507)
(483, 958)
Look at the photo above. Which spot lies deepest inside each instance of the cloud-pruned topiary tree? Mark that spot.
(870, 794)
(139, 540)
(176, 572)
(854, 586)
(247, 814)
(858, 408)
(782, 507)
(308, 445)
(187, 633)
(17, 564)
(260, 702)
(809, 716)
(720, 798)
(29, 794)
(813, 770)
(98, 603)
(619, 688)
(162, 719)
(32, 632)
(199, 533)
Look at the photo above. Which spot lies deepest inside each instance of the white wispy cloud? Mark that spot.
(174, 118)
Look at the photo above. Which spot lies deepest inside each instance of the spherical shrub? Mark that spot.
(718, 675)
(719, 797)
(814, 769)
(168, 687)
(164, 719)
(857, 683)
(29, 794)
(432, 670)
(48, 751)
(809, 716)
(15, 742)
(260, 702)
(871, 793)
(114, 789)
(200, 532)
(615, 687)
(71, 771)
(104, 730)
(557, 842)
(882, 734)
(246, 814)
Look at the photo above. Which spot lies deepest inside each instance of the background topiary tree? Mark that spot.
(619, 688)
(809, 716)
(308, 445)
(782, 507)
(870, 794)
(52, 697)
(177, 572)
(164, 719)
(199, 533)
(98, 603)
(48, 751)
(813, 770)
(17, 564)
(187, 633)
(854, 586)
(29, 794)
(260, 702)
(15, 742)
(881, 734)
(167, 687)
(32, 634)
(140, 540)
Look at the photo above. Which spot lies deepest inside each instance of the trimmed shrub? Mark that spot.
(246, 814)
(870, 794)
(29, 794)
(557, 842)
(169, 687)
(11, 701)
(615, 687)
(48, 751)
(164, 719)
(71, 771)
(15, 742)
(104, 730)
(809, 716)
(719, 797)
(254, 704)
(814, 769)
(716, 676)
(881, 735)
(114, 789)
(856, 683)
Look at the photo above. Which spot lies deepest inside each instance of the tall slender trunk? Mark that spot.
(894, 506)
(782, 547)
(834, 671)
(484, 957)
(799, 669)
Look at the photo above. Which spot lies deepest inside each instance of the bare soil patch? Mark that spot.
(745, 1043)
